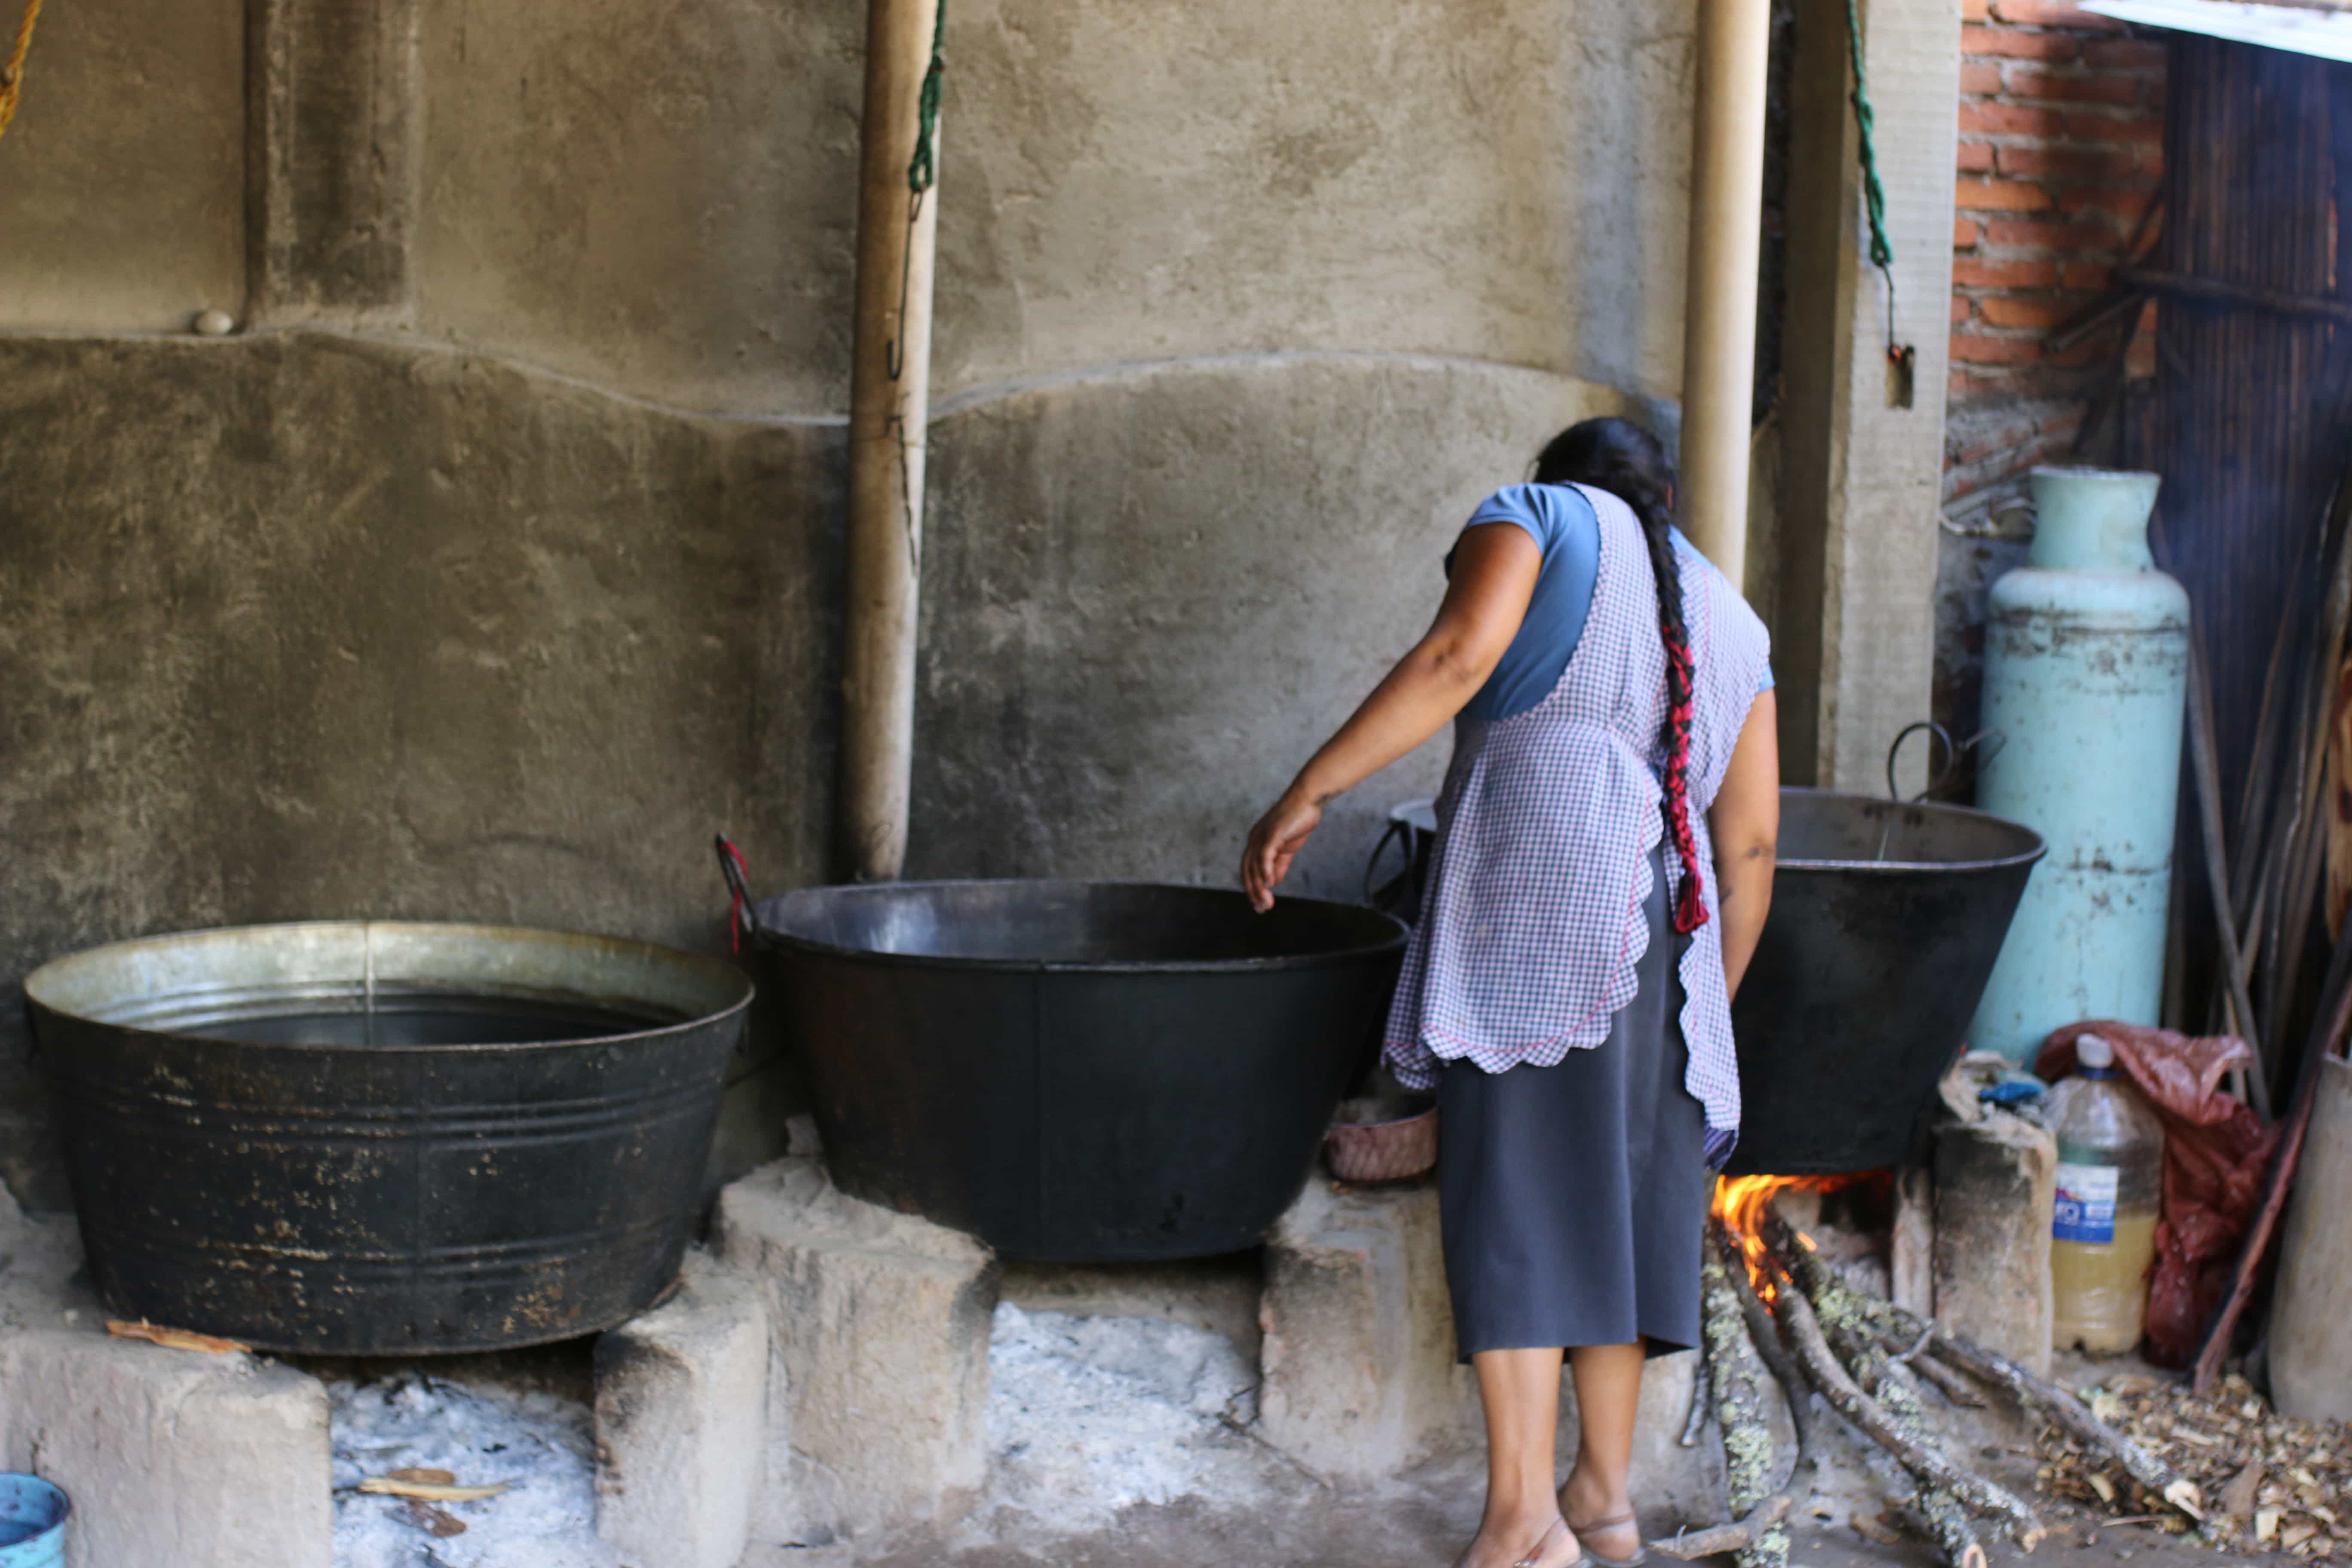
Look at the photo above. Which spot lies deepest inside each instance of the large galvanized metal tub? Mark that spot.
(1886, 919)
(374, 1137)
(1077, 1071)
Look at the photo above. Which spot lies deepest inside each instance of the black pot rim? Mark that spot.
(767, 937)
(2028, 857)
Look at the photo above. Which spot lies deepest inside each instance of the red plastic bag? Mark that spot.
(2216, 1150)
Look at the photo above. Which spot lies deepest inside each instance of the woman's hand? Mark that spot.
(1275, 843)
(1495, 568)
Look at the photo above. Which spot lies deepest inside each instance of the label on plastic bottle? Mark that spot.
(2086, 1204)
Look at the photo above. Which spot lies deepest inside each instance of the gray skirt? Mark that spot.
(1573, 1196)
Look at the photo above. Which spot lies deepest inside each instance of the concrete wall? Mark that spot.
(1147, 597)
(122, 177)
(663, 202)
(490, 567)
(1854, 632)
(302, 625)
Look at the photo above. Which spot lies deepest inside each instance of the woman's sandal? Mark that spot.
(1602, 1559)
(1534, 1558)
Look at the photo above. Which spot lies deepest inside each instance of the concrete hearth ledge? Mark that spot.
(171, 1457)
(1357, 1361)
(197, 1460)
(1360, 1375)
(194, 1460)
(681, 1423)
(877, 1360)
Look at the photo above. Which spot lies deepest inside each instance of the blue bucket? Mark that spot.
(32, 1522)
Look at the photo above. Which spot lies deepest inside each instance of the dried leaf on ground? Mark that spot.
(440, 1522)
(2277, 1479)
(173, 1339)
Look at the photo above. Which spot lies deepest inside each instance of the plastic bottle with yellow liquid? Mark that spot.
(2110, 1180)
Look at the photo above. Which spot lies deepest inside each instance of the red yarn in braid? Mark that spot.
(1629, 462)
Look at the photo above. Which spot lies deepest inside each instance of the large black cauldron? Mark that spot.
(1886, 917)
(368, 1138)
(1077, 1071)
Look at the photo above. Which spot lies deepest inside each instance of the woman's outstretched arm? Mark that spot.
(1494, 571)
(1744, 823)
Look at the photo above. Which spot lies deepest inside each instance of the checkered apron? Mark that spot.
(1532, 922)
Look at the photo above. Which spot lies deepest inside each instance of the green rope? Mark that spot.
(1882, 254)
(1901, 355)
(923, 172)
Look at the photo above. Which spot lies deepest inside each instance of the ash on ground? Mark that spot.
(543, 1444)
(1087, 1416)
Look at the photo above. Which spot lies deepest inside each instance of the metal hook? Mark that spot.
(1987, 744)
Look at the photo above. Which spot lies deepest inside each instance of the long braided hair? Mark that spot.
(1630, 463)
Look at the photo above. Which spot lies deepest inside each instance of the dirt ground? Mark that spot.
(1422, 1524)
(1393, 1534)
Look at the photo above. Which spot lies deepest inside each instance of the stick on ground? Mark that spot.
(1928, 1467)
(1851, 1327)
(1749, 1460)
(1758, 1537)
(2064, 1409)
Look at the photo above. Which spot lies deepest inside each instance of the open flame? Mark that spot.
(1741, 1202)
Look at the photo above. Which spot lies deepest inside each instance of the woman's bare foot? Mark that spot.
(1521, 1542)
(1588, 1497)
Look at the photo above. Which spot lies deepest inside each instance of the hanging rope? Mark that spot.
(12, 75)
(1874, 196)
(922, 169)
(923, 172)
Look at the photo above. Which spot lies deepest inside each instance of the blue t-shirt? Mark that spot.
(1568, 531)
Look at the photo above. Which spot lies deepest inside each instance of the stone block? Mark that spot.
(171, 1457)
(681, 1422)
(1358, 1359)
(1995, 1181)
(877, 1355)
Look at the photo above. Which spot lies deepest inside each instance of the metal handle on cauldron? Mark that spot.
(742, 915)
(1990, 740)
(1372, 890)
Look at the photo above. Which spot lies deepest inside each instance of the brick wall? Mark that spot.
(2060, 145)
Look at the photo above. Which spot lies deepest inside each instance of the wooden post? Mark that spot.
(890, 408)
(1720, 310)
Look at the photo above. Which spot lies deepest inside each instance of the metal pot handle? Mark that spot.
(1986, 743)
(743, 914)
(1397, 825)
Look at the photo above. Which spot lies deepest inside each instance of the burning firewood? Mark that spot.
(1850, 1332)
(1947, 1490)
(1922, 1360)
(1740, 1335)
(1737, 1377)
(2061, 1408)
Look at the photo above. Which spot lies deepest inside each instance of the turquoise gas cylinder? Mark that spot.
(2086, 676)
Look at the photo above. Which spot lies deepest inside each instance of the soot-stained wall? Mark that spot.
(494, 562)
(300, 627)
